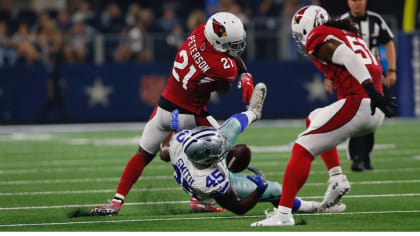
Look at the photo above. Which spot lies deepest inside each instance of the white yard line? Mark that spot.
(169, 177)
(135, 126)
(200, 218)
(92, 205)
(161, 167)
(410, 181)
(87, 180)
(71, 169)
(89, 191)
(261, 160)
(185, 202)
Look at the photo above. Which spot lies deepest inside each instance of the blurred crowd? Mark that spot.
(132, 30)
(28, 36)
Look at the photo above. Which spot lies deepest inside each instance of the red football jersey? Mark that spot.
(196, 69)
(344, 83)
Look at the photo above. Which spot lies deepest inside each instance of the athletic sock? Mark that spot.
(297, 204)
(251, 116)
(335, 171)
(305, 206)
(118, 198)
(296, 173)
(244, 119)
(331, 158)
(131, 174)
(284, 210)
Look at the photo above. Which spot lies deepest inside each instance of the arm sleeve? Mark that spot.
(346, 57)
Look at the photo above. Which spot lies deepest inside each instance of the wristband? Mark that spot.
(392, 70)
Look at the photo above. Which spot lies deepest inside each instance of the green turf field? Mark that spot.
(49, 180)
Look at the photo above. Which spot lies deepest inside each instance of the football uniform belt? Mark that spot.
(169, 106)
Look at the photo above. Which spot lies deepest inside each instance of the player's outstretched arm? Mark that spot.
(245, 79)
(230, 200)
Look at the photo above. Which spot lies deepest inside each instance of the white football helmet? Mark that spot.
(304, 21)
(226, 33)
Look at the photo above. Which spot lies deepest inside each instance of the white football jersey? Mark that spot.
(202, 184)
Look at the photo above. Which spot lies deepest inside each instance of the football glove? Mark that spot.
(175, 120)
(386, 104)
(247, 85)
(257, 172)
(259, 181)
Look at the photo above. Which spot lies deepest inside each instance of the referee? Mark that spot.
(375, 32)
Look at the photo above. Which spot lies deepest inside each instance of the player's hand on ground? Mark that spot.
(247, 85)
(259, 181)
(175, 120)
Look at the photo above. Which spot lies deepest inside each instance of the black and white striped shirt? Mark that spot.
(373, 28)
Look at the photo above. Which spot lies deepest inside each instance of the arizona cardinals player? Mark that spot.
(336, 48)
(206, 62)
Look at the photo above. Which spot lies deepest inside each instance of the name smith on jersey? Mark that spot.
(185, 172)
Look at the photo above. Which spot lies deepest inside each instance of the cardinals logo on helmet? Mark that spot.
(219, 29)
(299, 15)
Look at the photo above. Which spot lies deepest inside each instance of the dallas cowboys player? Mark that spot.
(197, 157)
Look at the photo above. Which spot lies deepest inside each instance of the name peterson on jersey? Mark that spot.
(195, 54)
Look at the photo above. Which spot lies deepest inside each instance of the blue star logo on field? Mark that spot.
(98, 93)
(316, 89)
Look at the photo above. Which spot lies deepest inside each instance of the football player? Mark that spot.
(206, 62)
(336, 48)
(198, 158)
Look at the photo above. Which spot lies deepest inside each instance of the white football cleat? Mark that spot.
(337, 208)
(338, 185)
(276, 219)
(257, 99)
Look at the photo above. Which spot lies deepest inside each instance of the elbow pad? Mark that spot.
(344, 56)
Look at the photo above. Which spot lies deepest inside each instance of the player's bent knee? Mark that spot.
(148, 157)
